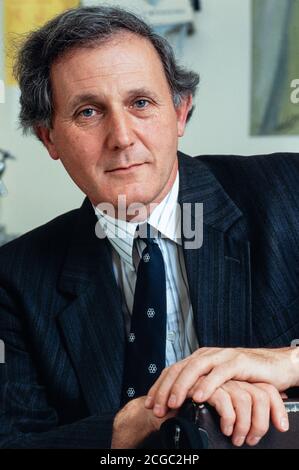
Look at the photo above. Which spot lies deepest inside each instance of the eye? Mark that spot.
(88, 112)
(141, 104)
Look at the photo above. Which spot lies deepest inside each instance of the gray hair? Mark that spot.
(84, 27)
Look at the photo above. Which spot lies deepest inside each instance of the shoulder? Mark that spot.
(261, 167)
(264, 179)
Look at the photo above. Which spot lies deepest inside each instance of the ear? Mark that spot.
(182, 112)
(45, 136)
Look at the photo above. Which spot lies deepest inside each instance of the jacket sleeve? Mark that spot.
(27, 418)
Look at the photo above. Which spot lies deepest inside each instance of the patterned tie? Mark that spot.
(145, 351)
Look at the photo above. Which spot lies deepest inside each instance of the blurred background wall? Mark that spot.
(39, 188)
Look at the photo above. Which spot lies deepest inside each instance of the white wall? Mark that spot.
(39, 189)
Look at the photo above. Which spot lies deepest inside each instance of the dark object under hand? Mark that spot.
(197, 426)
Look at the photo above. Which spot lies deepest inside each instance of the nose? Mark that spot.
(120, 131)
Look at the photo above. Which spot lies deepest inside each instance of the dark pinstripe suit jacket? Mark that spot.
(60, 308)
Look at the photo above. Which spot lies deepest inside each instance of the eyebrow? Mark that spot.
(91, 97)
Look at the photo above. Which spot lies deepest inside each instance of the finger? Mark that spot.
(191, 391)
(260, 417)
(242, 404)
(222, 403)
(158, 394)
(197, 366)
(151, 394)
(216, 378)
(149, 402)
(278, 412)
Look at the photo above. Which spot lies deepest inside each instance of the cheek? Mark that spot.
(79, 150)
(161, 132)
(166, 141)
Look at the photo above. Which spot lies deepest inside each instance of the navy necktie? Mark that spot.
(145, 348)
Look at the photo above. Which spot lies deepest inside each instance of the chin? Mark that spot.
(141, 197)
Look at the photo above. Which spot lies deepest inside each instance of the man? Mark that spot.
(105, 96)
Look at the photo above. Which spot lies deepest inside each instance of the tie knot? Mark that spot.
(147, 233)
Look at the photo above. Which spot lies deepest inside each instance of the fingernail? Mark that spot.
(284, 423)
(198, 395)
(254, 440)
(157, 409)
(148, 401)
(172, 400)
(238, 441)
(228, 430)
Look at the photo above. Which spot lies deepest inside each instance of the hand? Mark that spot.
(278, 367)
(245, 410)
(133, 423)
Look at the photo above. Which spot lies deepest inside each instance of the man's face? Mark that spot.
(115, 127)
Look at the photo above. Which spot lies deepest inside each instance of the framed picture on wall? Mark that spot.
(275, 67)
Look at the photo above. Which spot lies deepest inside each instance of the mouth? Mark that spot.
(126, 169)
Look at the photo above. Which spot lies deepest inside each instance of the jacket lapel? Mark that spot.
(219, 271)
(92, 324)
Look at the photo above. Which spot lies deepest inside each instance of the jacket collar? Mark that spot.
(198, 184)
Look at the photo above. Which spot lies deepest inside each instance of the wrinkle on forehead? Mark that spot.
(111, 74)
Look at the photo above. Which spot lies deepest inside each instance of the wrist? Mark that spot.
(131, 425)
(294, 360)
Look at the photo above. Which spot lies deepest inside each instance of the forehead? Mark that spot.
(123, 59)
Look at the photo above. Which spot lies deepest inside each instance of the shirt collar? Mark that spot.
(165, 218)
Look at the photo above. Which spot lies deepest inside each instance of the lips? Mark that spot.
(125, 168)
